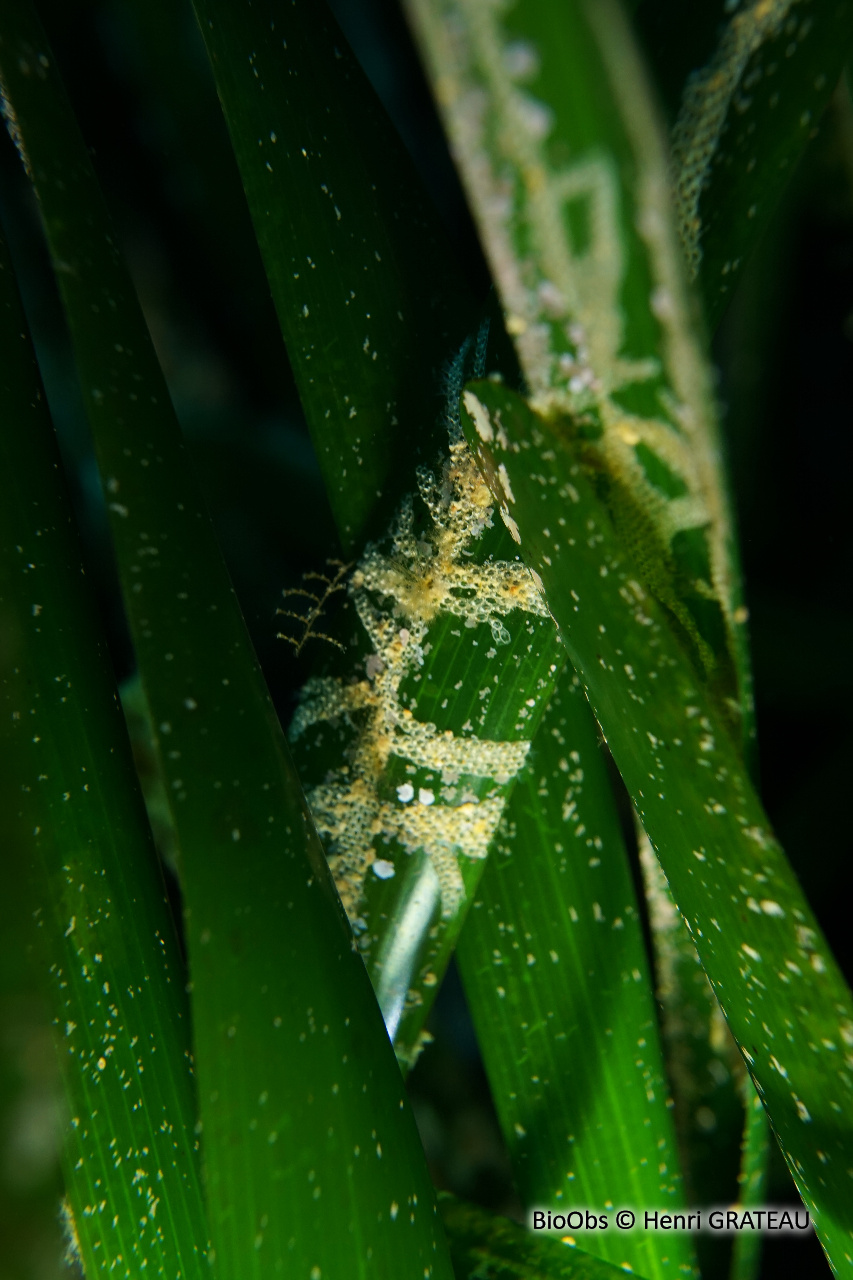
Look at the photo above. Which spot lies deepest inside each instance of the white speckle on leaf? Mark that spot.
(511, 525)
(479, 415)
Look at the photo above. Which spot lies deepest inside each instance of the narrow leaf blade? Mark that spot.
(780, 989)
(554, 965)
(368, 297)
(72, 814)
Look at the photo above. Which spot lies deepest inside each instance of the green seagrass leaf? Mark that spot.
(411, 746)
(755, 1154)
(784, 998)
(74, 831)
(550, 119)
(706, 1072)
(556, 975)
(369, 299)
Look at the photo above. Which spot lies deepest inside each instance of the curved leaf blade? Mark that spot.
(780, 989)
(550, 118)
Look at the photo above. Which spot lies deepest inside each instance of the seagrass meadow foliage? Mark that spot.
(390, 641)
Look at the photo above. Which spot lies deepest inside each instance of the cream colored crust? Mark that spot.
(397, 594)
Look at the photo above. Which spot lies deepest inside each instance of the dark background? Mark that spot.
(783, 353)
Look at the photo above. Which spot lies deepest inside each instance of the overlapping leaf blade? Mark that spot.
(705, 1070)
(755, 1154)
(555, 970)
(369, 300)
(563, 158)
(300, 1097)
(410, 764)
(73, 820)
(564, 163)
(372, 308)
(783, 996)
